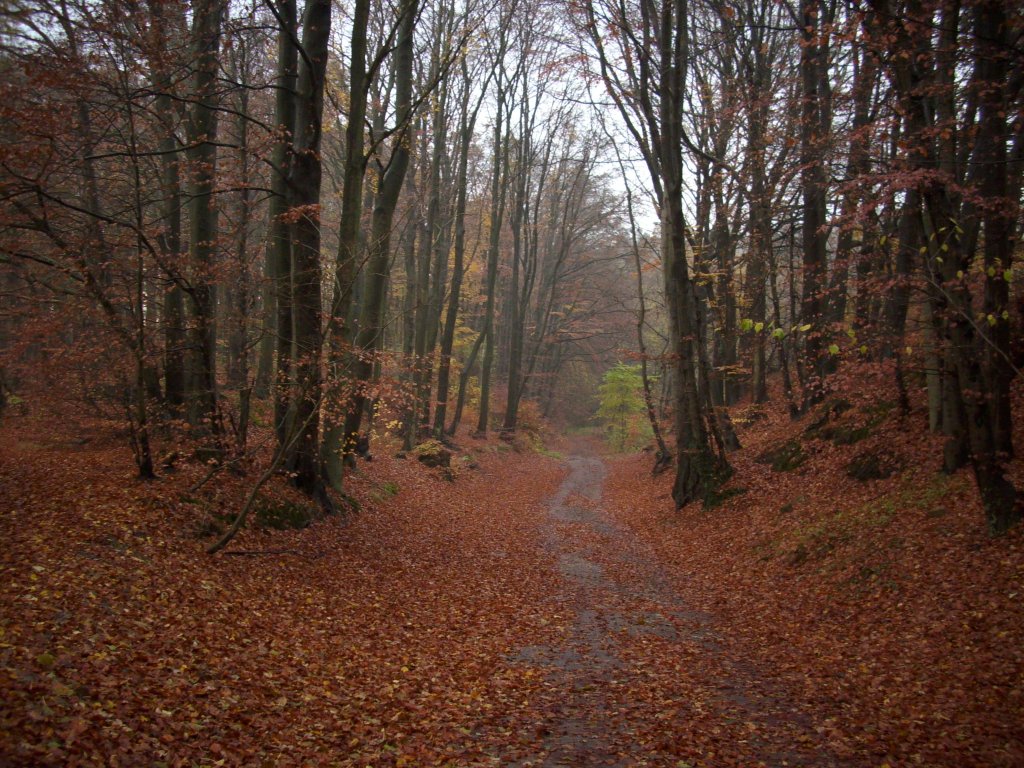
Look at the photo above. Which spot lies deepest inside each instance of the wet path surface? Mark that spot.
(638, 679)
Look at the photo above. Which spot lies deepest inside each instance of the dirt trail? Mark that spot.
(626, 632)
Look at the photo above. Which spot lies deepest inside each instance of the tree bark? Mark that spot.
(368, 336)
(348, 246)
(498, 187)
(279, 245)
(169, 240)
(814, 186)
(304, 212)
(467, 124)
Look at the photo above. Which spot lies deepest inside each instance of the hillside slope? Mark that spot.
(882, 603)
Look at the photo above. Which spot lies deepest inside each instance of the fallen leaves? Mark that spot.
(492, 621)
(123, 644)
(882, 609)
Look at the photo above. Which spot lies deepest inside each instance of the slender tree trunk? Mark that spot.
(303, 202)
(760, 226)
(143, 453)
(858, 165)
(203, 216)
(279, 245)
(368, 337)
(1000, 216)
(664, 456)
(348, 245)
(908, 242)
(814, 186)
(438, 224)
(238, 308)
(467, 126)
(170, 237)
(514, 314)
(467, 370)
(933, 367)
(498, 187)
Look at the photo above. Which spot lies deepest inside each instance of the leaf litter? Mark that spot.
(531, 613)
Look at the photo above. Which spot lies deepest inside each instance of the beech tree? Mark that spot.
(967, 204)
(391, 179)
(837, 188)
(641, 54)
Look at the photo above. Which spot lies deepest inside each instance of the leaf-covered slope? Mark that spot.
(883, 604)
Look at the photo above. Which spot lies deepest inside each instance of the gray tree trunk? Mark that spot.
(303, 202)
(368, 337)
(201, 395)
(279, 247)
(348, 246)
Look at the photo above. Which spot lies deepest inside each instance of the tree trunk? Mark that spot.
(467, 125)
(348, 244)
(279, 245)
(368, 337)
(949, 245)
(663, 459)
(760, 229)
(814, 186)
(1000, 216)
(173, 321)
(201, 394)
(304, 208)
(498, 187)
(237, 309)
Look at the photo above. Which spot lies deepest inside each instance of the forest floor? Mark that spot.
(523, 610)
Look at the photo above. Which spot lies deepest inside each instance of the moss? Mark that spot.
(433, 454)
(827, 413)
(871, 576)
(878, 411)
(550, 454)
(749, 415)
(844, 434)
(834, 425)
(282, 515)
(785, 457)
(820, 539)
(384, 491)
(873, 465)
(716, 497)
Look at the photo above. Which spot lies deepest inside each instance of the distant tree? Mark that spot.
(621, 405)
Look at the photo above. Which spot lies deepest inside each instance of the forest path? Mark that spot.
(640, 679)
(504, 619)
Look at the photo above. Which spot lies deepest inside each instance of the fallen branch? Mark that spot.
(230, 533)
(241, 519)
